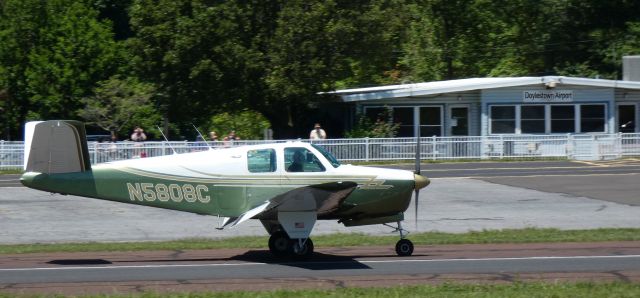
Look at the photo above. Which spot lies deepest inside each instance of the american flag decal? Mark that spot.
(299, 225)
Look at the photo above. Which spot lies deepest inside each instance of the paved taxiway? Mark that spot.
(564, 195)
(615, 181)
(462, 197)
(75, 273)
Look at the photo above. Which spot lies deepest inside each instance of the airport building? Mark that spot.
(507, 106)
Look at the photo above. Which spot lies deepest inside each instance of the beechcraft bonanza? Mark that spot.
(287, 186)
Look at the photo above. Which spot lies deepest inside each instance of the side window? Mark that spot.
(301, 160)
(261, 160)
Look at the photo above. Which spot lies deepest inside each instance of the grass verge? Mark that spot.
(529, 235)
(514, 290)
(8, 172)
(460, 290)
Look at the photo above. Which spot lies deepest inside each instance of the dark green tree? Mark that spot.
(53, 53)
(192, 51)
(321, 45)
(447, 39)
(119, 103)
(248, 124)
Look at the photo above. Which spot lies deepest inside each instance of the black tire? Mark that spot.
(279, 244)
(303, 253)
(404, 247)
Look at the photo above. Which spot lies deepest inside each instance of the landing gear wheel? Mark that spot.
(279, 244)
(404, 247)
(301, 252)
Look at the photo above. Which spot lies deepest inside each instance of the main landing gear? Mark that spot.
(282, 246)
(404, 247)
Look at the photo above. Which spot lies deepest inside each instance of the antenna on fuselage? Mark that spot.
(167, 140)
(201, 136)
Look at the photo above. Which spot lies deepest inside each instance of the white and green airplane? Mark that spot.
(287, 186)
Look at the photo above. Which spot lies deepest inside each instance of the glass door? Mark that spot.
(627, 118)
(459, 121)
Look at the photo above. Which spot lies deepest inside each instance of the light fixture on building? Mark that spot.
(459, 97)
(550, 84)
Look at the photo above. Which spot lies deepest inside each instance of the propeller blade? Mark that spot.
(416, 215)
(417, 169)
(420, 183)
(417, 173)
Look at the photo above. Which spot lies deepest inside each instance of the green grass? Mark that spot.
(530, 235)
(512, 290)
(14, 171)
(523, 290)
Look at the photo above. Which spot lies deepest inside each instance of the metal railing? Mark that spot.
(570, 146)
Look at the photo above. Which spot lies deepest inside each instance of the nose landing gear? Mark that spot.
(404, 247)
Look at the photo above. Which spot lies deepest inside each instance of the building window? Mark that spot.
(404, 117)
(503, 119)
(627, 118)
(532, 119)
(562, 119)
(376, 113)
(592, 118)
(430, 121)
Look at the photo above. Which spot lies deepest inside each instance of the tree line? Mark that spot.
(174, 63)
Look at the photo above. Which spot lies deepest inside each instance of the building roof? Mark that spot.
(439, 87)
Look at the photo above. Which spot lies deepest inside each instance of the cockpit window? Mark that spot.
(332, 159)
(261, 160)
(301, 160)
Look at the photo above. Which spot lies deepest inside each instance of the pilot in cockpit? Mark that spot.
(297, 163)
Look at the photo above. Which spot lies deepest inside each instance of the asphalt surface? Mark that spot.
(614, 181)
(162, 272)
(462, 197)
(500, 196)
(10, 181)
(75, 273)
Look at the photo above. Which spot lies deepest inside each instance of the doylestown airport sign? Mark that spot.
(547, 96)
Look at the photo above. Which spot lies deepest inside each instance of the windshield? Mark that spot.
(332, 159)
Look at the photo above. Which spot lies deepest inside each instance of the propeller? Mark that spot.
(420, 181)
(417, 173)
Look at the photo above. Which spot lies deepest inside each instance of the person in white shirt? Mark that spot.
(138, 135)
(317, 132)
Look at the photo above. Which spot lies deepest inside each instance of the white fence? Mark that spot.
(580, 147)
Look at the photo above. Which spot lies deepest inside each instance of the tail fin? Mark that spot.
(56, 146)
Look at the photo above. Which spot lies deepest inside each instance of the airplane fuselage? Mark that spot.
(224, 183)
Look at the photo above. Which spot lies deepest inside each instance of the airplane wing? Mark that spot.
(323, 199)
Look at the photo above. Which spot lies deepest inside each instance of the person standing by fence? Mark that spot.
(317, 133)
(139, 136)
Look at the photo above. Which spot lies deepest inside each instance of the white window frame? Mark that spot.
(577, 108)
(576, 118)
(405, 106)
(417, 119)
(547, 121)
(579, 117)
(490, 119)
